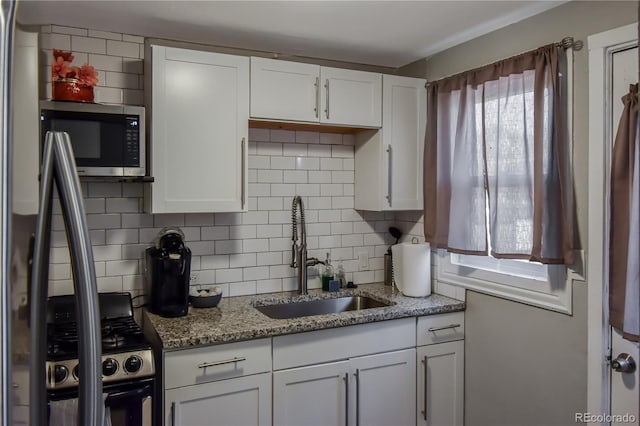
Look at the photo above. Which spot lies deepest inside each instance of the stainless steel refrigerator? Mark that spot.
(24, 257)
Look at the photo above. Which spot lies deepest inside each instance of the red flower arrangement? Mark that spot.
(72, 83)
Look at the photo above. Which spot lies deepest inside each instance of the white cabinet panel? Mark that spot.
(293, 91)
(26, 123)
(384, 389)
(315, 395)
(441, 384)
(351, 97)
(242, 401)
(389, 162)
(199, 130)
(284, 90)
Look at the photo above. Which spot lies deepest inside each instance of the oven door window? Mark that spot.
(129, 408)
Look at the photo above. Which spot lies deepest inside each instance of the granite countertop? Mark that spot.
(236, 319)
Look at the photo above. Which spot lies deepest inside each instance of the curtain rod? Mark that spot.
(566, 43)
(569, 42)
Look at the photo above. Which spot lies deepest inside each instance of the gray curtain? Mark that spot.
(495, 143)
(624, 252)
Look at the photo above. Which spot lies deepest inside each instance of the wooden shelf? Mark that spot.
(307, 127)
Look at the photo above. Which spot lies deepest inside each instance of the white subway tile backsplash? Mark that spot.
(242, 260)
(88, 45)
(228, 275)
(123, 48)
(307, 163)
(241, 232)
(104, 34)
(243, 253)
(69, 30)
(331, 138)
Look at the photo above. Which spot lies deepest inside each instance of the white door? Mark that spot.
(625, 396)
(314, 395)
(385, 392)
(283, 90)
(441, 384)
(350, 98)
(243, 401)
(199, 131)
(404, 121)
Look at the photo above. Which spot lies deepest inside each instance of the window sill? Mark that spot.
(554, 294)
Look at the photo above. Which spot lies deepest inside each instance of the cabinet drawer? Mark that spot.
(210, 363)
(440, 328)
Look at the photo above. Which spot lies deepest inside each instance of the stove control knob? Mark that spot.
(109, 367)
(133, 364)
(60, 373)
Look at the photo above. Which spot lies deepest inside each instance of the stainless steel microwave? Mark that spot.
(107, 140)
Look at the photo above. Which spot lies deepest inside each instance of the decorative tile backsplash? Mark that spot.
(244, 253)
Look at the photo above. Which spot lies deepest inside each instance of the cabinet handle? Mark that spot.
(445, 327)
(242, 173)
(424, 412)
(175, 413)
(226, 361)
(326, 86)
(357, 397)
(388, 197)
(346, 399)
(317, 86)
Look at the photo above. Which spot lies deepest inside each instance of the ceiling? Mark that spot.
(383, 33)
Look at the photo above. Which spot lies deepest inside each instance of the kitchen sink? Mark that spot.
(320, 307)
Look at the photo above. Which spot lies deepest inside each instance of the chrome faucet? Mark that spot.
(299, 250)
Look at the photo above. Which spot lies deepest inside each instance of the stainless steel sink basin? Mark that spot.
(319, 307)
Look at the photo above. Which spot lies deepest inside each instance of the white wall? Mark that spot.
(245, 253)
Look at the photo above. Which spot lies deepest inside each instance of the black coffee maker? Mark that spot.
(168, 270)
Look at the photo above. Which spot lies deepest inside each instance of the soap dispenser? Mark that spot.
(327, 275)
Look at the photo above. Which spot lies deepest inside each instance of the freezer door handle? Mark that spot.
(59, 167)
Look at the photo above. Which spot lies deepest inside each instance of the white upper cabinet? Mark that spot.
(388, 162)
(350, 98)
(284, 90)
(199, 131)
(293, 91)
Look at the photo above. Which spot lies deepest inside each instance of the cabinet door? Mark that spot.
(315, 395)
(243, 401)
(26, 123)
(199, 130)
(403, 129)
(282, 90)
(441, 384)
(385, 392)
(350, 97)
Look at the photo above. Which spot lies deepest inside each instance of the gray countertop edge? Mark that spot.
(235, 319)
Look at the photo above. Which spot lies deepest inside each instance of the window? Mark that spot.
(499, 191)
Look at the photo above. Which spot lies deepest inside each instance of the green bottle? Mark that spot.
(327, 274)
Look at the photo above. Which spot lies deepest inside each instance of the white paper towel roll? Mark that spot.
(412, 269)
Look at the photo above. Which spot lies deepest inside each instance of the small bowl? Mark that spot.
(205, 301)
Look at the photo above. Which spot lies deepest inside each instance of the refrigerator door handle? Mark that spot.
(59, 167)
(39, 291)
(90, 408)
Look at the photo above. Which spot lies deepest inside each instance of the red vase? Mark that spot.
(70, 89)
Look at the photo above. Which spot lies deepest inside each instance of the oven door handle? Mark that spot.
(134, 393)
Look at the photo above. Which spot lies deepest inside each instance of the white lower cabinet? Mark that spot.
(440, 370)
(223, 385)
(234, 402)
(314, 395)
(370, 390)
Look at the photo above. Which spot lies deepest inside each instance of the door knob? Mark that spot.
(624, 363)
